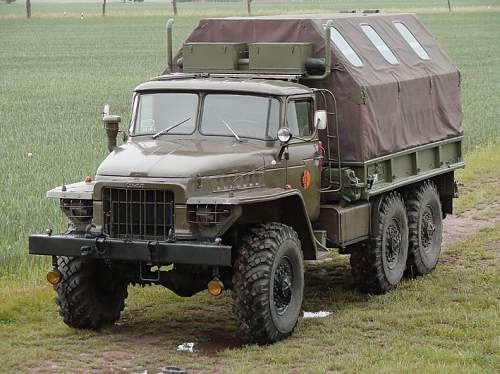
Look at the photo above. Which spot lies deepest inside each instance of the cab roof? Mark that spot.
(191, 82)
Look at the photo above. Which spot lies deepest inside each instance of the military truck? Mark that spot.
(266, 141)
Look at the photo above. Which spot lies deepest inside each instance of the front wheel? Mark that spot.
(89, 294)
(268, 283)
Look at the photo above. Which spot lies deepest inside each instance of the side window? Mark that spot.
(412, 41)
(345, 48)
(299, 118)
(379, 43)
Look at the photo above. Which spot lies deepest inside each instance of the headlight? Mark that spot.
(208, 214)
(78, 211)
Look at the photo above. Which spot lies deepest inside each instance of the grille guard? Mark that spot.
(138, 213)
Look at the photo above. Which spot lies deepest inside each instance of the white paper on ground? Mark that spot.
(320, 314)
(186, 347)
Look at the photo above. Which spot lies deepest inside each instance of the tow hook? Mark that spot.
(100, 246)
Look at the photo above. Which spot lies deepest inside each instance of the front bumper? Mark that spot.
(156, 252)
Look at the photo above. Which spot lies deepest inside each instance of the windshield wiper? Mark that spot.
(164, 131)
(231, 129)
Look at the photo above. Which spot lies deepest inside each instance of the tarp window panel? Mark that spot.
(379, 43)
(411, 40)
(345, 48)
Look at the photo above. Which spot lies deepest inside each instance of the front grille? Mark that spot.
(138, 213)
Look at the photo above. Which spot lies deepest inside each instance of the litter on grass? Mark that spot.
(320, 314)
(186, 347)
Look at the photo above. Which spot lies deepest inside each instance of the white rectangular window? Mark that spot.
(412, 41)
(379, 43)
(345, 48)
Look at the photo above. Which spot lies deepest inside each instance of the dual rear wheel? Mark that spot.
(408, 240)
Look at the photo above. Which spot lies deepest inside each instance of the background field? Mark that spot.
(74, 8)
(56, 72)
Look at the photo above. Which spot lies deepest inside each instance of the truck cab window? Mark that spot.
(158, 111)
(299, 115)
(248, 116)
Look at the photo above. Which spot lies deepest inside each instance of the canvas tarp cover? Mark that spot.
(382, 108)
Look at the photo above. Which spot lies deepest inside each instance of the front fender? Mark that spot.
(79, 190)
(268, 205)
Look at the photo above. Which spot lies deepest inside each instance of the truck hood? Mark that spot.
(186, 157)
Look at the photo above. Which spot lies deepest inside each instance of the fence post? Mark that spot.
(28, 8)
(174, 5)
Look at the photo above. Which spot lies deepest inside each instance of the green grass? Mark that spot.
(445, 322)
(479, 181)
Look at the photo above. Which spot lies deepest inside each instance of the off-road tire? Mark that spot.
(378, 265)
(89, 296)
(268, 254)
(425, 223)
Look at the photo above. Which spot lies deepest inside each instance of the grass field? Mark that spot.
(56, 73)
(74, 8)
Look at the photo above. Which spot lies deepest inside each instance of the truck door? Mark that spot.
(303, 168)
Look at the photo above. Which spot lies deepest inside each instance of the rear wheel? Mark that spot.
(268, 283)
(89, 294)
(425, 221)
(378, 265)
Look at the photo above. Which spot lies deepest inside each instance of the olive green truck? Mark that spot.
(266, 141)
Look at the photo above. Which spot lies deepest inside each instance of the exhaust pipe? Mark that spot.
(313, 63)
(169, 25)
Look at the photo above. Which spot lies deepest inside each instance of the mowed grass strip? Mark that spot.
(479, 182)
(444, 322)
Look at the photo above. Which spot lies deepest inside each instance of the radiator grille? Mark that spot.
(138, 213)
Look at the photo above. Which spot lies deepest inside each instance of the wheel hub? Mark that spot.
(428, 229)
(282, 287)
(393, 244)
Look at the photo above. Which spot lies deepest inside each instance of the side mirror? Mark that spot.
(112, 126)
(320, 120)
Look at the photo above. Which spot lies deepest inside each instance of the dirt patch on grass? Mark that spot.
(457, 228)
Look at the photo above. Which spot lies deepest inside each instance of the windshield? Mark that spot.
(242, 116)
(159, 111)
